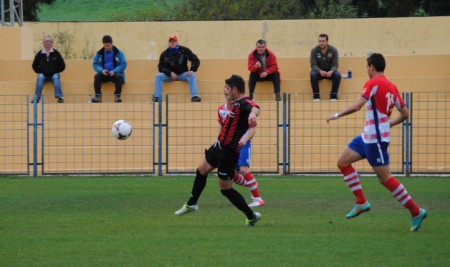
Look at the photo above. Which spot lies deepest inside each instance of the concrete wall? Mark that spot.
(17, 43)
(234, 39)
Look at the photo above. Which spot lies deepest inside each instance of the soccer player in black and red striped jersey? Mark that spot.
(224, 153)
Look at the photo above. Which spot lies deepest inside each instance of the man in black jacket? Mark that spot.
(48, 63)
(173, 66)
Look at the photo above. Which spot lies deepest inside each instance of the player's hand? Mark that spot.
(242, 143)
(258, 64)
(332, 117)
(105, 72)
(111, 73)
(190, 73)
(263, 74)
(174, 76)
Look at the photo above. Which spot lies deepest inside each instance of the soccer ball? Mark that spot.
(121, 129)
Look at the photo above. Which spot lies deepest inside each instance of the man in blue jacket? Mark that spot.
(110, 64)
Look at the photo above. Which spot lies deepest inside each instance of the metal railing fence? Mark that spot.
(292, 136)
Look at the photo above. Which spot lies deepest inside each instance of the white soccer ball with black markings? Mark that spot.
(121, 129)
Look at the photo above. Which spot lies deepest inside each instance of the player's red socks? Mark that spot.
(252, 185)
(351, 178)
(399, 192)
(239, 179)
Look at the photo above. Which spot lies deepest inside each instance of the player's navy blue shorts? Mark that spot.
(222, 158)
(375, 153)
(245, 155)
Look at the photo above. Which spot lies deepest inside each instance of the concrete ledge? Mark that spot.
(220, 69)
(216, 87)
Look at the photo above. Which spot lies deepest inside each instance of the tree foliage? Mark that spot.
(210, 10)
(299, 9)
(263, 9)
(31, 8)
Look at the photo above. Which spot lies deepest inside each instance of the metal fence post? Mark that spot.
(284, 134)
(160, 137)
(35, 125)
(407, 137)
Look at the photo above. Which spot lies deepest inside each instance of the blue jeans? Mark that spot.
(55, 79)
(315, 77)
(161, 78)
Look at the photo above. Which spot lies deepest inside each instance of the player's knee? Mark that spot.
(226, 191)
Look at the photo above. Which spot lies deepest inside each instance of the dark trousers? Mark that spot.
(254, 77)
(100, 78)
(315, 78)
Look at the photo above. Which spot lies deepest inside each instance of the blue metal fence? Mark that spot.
(170, 137)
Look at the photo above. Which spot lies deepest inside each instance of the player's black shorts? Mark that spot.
(222, 158)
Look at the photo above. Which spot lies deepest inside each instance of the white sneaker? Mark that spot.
(257, 203)
(186, 209)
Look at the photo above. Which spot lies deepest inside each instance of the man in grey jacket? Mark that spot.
(324, 65)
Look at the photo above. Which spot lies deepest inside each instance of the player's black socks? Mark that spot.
(197, 188)
(238, 200)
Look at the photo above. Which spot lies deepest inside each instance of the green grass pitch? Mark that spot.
(129, 221)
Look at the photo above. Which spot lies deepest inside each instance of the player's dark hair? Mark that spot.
(324, 35)
(107, 39)
(261, 42)
(236, 81)
(378, 62)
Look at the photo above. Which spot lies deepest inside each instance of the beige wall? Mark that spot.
(17, 43)
(234, 39)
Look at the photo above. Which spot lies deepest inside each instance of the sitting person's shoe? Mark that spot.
(316, 99)
(252, 222)
(60, 100)
(359, 209)
(37, 101)
(156, 99)
(417, 221)
(257, 203)
(118, 99)
(333, 99)
(277, 97)
(196, 99)
(186, 209)
(96, 100)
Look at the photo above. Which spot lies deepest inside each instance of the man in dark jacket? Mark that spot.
(263, 66)
(48, 63)
(173, 66)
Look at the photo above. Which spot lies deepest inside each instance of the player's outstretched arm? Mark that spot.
(357, 105)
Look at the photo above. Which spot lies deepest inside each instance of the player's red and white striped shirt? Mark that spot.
(223, 113)
(382, 96)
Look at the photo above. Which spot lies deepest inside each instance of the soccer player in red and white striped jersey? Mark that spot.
(380, 96)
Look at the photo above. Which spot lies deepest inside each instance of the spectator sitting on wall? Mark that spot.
(173, 66)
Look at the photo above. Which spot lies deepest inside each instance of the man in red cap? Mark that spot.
(173, 66)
